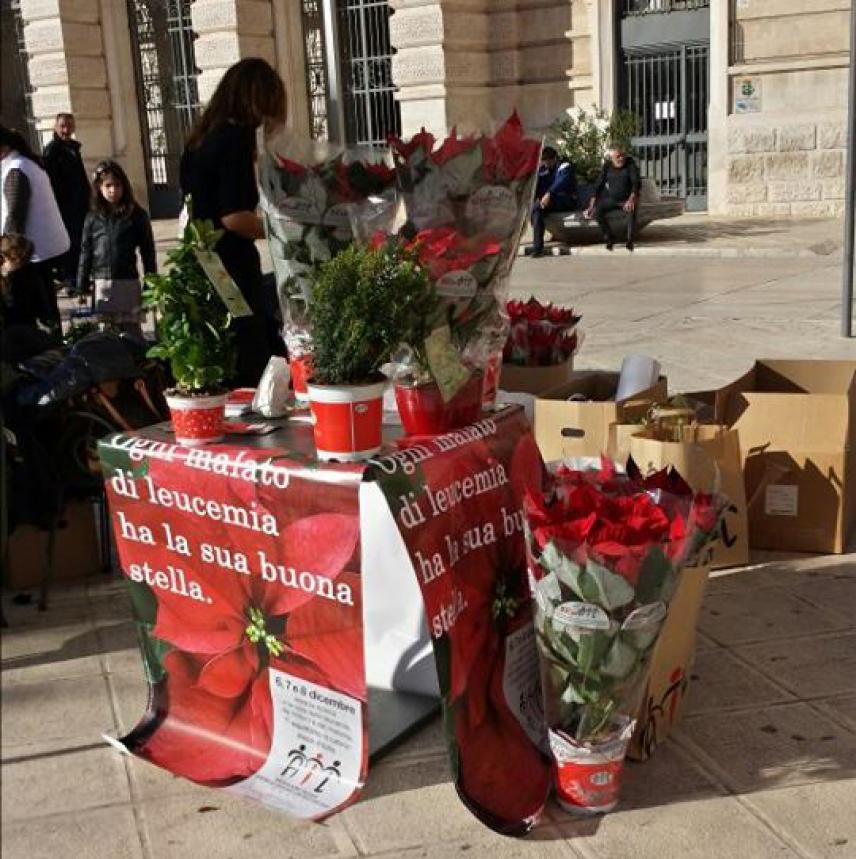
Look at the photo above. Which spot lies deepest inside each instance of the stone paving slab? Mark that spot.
(763, 765)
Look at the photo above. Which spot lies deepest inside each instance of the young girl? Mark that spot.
(115, 228)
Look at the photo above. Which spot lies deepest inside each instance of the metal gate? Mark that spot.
(665, 82)
(16, 103)
(371, 111)
(167, 93)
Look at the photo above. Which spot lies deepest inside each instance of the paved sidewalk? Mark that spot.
(764, 765)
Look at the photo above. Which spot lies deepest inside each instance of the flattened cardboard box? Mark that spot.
(797, 425)
(671, 667)
(535, 380)
(581, 428)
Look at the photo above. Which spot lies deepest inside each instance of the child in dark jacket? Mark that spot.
(114, 230)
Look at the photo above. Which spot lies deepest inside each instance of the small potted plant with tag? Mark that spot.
(365, 302)
(193, 337)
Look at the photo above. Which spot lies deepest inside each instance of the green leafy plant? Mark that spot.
(193, 322)
(583, 137)
(365, 302)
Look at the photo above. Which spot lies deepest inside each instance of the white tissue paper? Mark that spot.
(273, 392)
(638, 373)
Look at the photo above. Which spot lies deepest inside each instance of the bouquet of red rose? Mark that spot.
(310, 192)
(540, 335)
(605, 554)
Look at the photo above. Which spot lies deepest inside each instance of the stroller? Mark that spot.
(56, 406)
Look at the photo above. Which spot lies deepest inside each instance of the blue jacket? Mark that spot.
(560, 183)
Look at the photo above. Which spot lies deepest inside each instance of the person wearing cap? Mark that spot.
(556, 191)
(617, 190)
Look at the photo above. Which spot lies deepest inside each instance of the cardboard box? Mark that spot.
(671, 667)
(797, 425)
(76, 553)
(535, 380)
(568, 429)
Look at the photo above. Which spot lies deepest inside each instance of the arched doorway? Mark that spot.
(167, 93)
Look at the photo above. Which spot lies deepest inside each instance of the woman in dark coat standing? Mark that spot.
(218, 172)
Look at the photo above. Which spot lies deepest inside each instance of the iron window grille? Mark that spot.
(649, 7)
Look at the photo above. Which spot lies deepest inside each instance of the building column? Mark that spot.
(467, 63)
(79, 62)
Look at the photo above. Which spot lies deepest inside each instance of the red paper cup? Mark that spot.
(301, 370)
(588, 777)
(348, 420)
(197, 420)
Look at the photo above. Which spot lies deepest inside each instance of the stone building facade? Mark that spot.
(774, 92)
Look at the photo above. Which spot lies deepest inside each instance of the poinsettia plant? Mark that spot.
(605, 555)
(467, 201)
(540, 335)
(308, 198)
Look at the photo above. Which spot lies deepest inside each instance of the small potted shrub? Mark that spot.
(364, 303)
(193, 337)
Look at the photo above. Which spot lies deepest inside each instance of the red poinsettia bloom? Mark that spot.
(404, 150)
(509, 154)
(453, 146)
(385, 174)
(289, 166)
(444, 249)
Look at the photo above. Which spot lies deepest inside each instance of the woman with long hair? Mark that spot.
(28, 208)
(218, 173)
(114, 230)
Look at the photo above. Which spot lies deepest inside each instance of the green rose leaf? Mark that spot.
(593, 646)
(653, 575)
(612, 591)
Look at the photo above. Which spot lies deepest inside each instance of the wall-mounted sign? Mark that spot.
(747, 95)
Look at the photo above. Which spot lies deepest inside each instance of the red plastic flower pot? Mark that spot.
(347, 420)
(588, 777)
(424, 412)
(197, 420)
(301, 370)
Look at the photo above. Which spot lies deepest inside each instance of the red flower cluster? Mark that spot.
(444, 249)
(540, 335)
(510, 155)
(617, 519)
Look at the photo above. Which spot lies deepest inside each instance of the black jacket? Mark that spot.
(108, 247)
(69, 181)
(618, 183)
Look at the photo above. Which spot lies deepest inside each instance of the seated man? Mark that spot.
(556, 191)
(616, 190)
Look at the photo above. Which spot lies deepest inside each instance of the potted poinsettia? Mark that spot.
(364, 303)
(606, 551)
(193, 336)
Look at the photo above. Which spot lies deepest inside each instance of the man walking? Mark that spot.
(71, 188)
(617, 190)
(556, 191)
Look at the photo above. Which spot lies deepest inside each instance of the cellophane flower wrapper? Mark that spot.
(309, 191)
(467, 202)
(605, 552)
(540, 335)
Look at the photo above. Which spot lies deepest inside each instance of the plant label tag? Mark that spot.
(581, 616)
(457, 284)
(222, 282)
(645, 616)
(781, 500)
(445, 362)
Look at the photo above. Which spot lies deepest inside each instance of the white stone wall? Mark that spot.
(788, 158)
(467, 63)
(787, 168)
